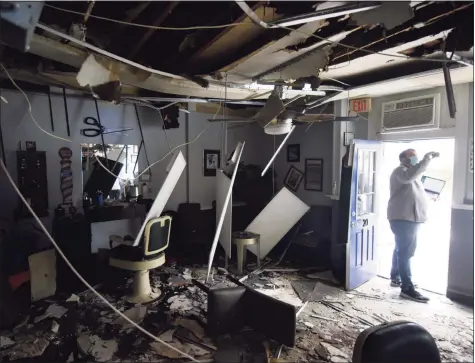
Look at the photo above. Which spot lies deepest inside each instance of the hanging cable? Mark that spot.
(145, 25)
(365, 50)
(362, 49)
(171, 151)
(63, 256)
(323, 109)
(29, 108)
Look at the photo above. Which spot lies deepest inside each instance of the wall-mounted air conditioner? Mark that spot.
(411, 114)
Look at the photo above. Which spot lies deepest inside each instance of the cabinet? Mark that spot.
(33, 181)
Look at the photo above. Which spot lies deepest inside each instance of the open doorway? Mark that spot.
(430, 262)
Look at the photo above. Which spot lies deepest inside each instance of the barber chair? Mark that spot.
(148, 255)
(396, 342)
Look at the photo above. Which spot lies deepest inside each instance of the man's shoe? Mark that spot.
(412, 294)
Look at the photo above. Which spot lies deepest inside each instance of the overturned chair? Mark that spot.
(148, 255)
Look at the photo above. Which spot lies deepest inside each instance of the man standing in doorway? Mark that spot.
(407, 209)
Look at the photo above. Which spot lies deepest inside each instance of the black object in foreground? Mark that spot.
(230, 309)
(395, 342)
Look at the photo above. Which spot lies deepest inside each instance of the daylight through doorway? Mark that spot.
(430, 263)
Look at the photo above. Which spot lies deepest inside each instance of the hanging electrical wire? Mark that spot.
(145, 25)
(163, 158)
(63, 256)
(171, 151)
(362, 49)
(29, 108)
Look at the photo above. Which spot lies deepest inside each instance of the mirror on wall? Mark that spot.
(121, 160)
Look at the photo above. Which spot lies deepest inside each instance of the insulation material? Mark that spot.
(223, 183)
(174, 169)
(42, 274)
(93, 73)
(276, 219)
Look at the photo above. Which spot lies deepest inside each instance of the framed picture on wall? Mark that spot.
(293, 153)
(293, 178)
(211, 162)
(314, 174)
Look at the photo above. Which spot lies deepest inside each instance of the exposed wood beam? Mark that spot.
(233, 38)
(131, 15)
(149, 32)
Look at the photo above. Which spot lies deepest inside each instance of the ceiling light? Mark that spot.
(280, 128)
(324, 14)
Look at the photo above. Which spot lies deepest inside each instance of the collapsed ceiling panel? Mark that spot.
(271, 55)
(166, 49)
(404, 84)
(371, 62)
(232, 38)
(390, 14)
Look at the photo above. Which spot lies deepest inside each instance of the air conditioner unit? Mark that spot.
(411, 114)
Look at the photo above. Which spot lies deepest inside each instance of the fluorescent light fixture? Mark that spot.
(325, 14)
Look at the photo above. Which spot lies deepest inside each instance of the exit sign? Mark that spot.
(361, 105)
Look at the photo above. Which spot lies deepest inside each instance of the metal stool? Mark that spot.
(242, 240)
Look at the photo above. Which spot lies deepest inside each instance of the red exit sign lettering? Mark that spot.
(361, 105)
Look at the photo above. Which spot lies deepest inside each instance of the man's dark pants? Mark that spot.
(405, 233)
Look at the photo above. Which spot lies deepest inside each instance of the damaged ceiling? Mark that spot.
(176, 49)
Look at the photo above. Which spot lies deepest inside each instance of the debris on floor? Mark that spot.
(136, 314)
(6, 342)
(28, 349)
(326, 330)
(73, 298)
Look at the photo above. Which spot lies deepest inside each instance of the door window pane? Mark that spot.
(366, 182)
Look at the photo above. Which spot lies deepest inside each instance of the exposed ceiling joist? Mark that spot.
(130, 16)
(150, 32)
(271, 55)
(421, 81)
(66, 54)
(375, 61)
(232, 38)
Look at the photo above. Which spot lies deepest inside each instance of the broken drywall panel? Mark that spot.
(276, 219)
(222, 214)
(308, 63)
(131, 75)
(136, 314)
(415, 82)
(189, 349)
(271, 55)
(223, 183)
(233, 38)
(306, 67)
(191, 325)
(29, 349)
(42, 274)
(92, 73)
(390, 14)
(175, 169)
(180, 303)
(374, 61)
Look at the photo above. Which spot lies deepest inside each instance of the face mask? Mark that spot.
(413, 160)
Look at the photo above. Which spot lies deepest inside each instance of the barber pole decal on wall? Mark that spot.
(66, 175)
